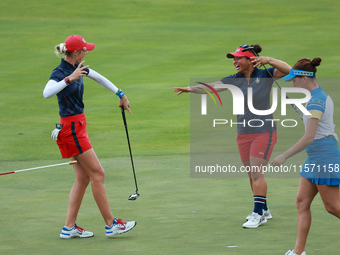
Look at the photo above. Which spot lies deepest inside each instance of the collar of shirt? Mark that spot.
(66, 65)
(314, 91)
(253, 74)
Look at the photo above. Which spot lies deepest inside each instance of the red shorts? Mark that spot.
(259, 145)
(73, 139)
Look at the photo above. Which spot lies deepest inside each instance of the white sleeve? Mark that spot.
(102, 80)
(52, 88)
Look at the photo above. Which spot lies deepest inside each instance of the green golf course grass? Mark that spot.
(147, 48)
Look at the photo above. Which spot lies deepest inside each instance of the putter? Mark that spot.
(136, 195)
(246, 47)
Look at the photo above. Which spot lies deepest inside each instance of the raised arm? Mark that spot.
(100, 79)
(281, 67)
(53, 87)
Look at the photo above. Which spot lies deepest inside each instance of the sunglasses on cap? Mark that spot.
(246, 47)
(243, 50)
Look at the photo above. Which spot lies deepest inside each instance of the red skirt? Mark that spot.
(73, 139)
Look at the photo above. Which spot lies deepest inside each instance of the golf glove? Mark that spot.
(55, 132)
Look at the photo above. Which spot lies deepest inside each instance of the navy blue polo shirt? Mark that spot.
(261, 82)
(70, 99)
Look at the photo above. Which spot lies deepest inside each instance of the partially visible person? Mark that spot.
(66, 81)
(320, 173)
(255, 144)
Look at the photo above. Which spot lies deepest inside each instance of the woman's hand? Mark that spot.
(79, 72)
(182, 90)
(260, 61)
(125, 102)
(279, 160)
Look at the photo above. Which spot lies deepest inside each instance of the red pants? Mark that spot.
(259, 145)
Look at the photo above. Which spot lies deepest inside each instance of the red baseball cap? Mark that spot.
(239, 53)
(76, 42)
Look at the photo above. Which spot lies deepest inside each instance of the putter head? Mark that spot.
(133, 196)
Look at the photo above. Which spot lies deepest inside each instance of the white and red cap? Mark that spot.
(239, 53)
(76, 42)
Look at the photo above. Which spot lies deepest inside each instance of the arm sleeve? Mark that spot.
(316, 107)
(102, 80)
(52, 88)
(316, 104)
(315, 114)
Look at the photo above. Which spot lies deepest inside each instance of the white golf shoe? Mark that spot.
(67, 233)
(267, 214)
(119, 227)
(255, 220)
(289, 252)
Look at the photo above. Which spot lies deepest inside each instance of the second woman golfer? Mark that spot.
(255, 144)
(321, 171)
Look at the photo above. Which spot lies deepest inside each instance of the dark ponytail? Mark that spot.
(316, 62)
(257, 48)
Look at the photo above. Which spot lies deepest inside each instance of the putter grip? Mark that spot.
(123, 114)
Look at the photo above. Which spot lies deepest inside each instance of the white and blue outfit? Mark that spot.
(323, 163)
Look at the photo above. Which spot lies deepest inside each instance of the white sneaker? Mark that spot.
(266, 213)
(76, 231)
(289, 252)
(119, 227)
(255, 220)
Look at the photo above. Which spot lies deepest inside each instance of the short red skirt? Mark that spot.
(73, 139)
